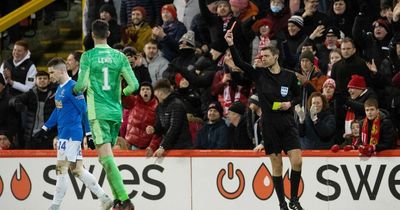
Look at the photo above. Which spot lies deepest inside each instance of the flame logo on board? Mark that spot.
(286, 184)
(1, 186)
(240, 188)
(21, 185)
(263, 185)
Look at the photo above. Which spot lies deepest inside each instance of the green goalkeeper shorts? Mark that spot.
(105, 131)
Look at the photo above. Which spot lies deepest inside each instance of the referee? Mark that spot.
(278, 93)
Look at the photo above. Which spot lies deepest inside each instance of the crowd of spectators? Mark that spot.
(345, 55)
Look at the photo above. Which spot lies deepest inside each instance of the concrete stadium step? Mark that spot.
(61, 45)
(70, 33)
(47, 56)
(41, 68)
(61, 37)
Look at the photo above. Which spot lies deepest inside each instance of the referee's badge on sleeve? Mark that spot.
(284, 91)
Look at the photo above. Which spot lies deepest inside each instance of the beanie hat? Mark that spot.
(108, 8)
(219, 46)
(333, 30)
(357, 82)
(254, 99)
(216, 105)
(297, 20)
(307, 55)
(169, 8)
(240, 4)
(188, 38)
(381, 22)
(2, 81)
(178, 78)
(329, 81)
(262, 22)
(141, 10)
(237, 107)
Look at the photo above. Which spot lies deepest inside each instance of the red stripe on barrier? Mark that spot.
(193, 153)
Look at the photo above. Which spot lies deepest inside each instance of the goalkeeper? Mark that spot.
(100, 74)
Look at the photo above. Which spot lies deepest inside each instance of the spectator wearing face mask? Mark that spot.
(278, 13)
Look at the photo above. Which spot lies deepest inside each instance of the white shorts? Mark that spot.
(69, 150)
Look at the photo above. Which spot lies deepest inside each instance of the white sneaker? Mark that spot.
(54, 207)
(107, 203)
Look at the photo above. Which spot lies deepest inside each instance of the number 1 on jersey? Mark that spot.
(106, 85)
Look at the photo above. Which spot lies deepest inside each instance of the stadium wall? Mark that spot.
(208, 180)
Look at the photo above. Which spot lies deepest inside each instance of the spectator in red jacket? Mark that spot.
(141, 114)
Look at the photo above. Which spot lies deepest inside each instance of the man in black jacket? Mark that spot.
(39, 104)
(350, 64)
(8, 122)
(238, 137)
(171, 120)
(214, 133)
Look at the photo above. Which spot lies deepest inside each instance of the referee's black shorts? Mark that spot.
(280, 133)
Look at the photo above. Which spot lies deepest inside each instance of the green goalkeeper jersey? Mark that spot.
(100, 72)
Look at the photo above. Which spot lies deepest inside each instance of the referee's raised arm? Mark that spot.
(246, 67)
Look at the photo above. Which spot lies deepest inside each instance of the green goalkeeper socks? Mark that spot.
(114, 178)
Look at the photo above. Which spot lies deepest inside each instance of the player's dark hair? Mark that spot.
(100, 29)
(274, 50)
